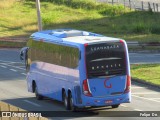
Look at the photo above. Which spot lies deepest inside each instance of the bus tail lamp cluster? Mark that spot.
(86, 89)
(128, 84)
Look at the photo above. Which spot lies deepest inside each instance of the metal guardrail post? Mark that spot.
(157, 6)
(130, 4)
(154, 7)
(149, 7)
(142, 6)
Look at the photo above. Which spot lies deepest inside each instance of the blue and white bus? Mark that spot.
(79, 68)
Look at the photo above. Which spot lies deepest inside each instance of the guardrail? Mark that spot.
(141, 5)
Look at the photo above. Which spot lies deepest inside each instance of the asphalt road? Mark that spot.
(13, 90)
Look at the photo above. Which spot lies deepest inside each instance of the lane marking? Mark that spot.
(123, 105)
(3, 66)
(138, 110)
(35, 104)
(13, 66)
(154, 98)
(13, 70)
(24, 74)
(9, 61)
(145, 93)
(146, 98)
(137, 87)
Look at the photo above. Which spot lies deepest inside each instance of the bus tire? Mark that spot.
(115, 106)
(38, 97)
(65, 100)
(70, 101)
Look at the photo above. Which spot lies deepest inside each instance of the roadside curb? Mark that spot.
(145, 83)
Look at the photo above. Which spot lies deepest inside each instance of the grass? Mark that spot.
(9, 44)
(146, 72)
(19, 18)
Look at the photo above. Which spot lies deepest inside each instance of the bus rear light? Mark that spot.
(121, 41)
(128, 84)
(86, 89)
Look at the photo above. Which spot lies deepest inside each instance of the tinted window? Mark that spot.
(105, 59)
(53, 53)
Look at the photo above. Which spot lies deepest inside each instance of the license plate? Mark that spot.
(108, 101)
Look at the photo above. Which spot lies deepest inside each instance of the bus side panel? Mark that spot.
(52, 78)
(31, 76)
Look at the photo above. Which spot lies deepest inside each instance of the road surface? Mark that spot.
(13, 90)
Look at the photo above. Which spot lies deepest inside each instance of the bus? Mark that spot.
(77, 67)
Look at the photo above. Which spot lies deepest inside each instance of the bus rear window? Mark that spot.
(105, 59)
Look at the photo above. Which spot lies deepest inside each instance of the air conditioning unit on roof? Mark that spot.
(69, 33)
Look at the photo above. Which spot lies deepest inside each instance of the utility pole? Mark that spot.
(39, 15)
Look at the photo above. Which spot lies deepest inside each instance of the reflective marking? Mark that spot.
(3, 66)
(145, 93)
(13, 70)
(24, 74)
(35, 104)
(123, 105)
(138, 110)
(145, 98)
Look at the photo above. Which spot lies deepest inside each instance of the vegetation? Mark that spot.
(149, 73)
(19, 18)
(10, 44)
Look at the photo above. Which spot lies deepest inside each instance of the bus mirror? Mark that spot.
(23, 52)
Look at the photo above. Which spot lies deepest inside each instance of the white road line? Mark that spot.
(13, 70)
(138, 110)
(35, 104)
(155, 98)
(24, 74)
(145, 98)
(9, 61)
(123, 105)
(137, 87)
(145, 93)
(13, 66)
(3, 66)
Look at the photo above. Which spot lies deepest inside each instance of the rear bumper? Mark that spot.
(105, 101)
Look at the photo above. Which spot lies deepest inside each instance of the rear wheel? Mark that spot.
(39, 97)
(65, 100)
(115, 106)
(70, 101)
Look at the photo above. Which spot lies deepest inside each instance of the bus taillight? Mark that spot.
(86, 89)
(128, 84)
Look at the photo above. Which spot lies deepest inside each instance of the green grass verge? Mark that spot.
(147, 72)
(19, 18)
(9, 44)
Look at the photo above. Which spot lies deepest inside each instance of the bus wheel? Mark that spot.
(115, 106)
(39, 97)
(65, 100)
(70, 101)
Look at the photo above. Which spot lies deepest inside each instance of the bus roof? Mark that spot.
(70, 35)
